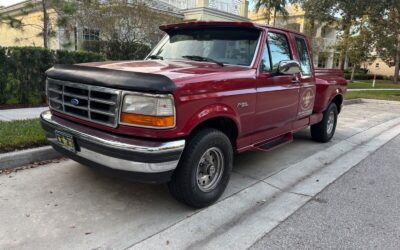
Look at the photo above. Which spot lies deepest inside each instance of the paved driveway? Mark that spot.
(67, 206)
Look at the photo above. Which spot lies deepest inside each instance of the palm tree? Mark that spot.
(272, 6)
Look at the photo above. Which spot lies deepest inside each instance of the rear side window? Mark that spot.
(305, 61)
(279, 47)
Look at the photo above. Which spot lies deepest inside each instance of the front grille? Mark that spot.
(91, 103)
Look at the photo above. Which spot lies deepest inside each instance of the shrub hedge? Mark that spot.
(22, 78)
(361, 76)
(116, 50)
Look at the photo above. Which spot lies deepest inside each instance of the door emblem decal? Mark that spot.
(307, 99)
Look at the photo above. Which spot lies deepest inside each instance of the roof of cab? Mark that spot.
(195, 24)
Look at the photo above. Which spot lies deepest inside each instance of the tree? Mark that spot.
(124, 25)
(344, 13)
(385, 24)
(47, 26)
(272, 8)
(359, 45)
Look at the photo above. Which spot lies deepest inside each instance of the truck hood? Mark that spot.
(179, 71)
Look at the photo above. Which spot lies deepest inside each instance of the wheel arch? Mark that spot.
(338, 100)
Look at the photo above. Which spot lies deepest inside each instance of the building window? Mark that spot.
(322, 58)
(336, 60)
(293, 26)
(324, 31)
(91, 35)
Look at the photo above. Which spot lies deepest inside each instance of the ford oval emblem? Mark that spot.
(74, 101)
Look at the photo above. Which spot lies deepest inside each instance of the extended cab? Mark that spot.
(208, 90)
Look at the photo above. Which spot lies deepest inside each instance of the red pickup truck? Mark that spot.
(208, 90)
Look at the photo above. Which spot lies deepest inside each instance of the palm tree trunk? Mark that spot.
(274, 16)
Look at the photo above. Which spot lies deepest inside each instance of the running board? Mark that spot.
(274, 143)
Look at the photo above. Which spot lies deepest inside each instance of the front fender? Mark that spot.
(209, 112)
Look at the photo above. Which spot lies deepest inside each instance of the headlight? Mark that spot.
(157, 111)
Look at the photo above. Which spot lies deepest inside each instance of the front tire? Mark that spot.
(325, 129)
(204, 169)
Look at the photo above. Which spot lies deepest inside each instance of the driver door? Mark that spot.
(277, 95)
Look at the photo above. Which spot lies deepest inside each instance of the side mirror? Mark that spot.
(288, 67)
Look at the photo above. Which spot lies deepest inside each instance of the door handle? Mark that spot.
(295, 79)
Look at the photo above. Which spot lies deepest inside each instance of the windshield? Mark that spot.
(225, 45)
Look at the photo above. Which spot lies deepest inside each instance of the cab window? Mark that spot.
(279, 47)
(265, 65)
(304, 57)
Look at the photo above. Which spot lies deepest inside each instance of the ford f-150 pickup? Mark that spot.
(208, 90)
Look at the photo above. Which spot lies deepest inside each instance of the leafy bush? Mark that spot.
(116, 50)
(22, 78)
(360, 76)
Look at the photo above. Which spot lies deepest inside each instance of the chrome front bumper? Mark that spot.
(113, 151)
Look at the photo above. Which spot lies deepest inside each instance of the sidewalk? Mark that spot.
(358, 211)
(21, 114)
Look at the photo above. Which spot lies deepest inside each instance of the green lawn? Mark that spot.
(393, 95)
(367, 84)
(17, 135)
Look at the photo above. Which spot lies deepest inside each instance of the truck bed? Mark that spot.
(328, 82)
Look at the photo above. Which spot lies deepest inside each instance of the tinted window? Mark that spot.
(305, 61)
(265, 60)
(227, 45)
(279, 47)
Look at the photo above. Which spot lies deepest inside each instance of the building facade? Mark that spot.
(31, 17)
(32, 25)
(212, 10)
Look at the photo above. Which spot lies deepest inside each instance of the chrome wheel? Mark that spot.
(330, 123)
(210, 169)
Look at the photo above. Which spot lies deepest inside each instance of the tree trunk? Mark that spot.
(274, 16)
(353, 71)
(343, 51)
(46, 24)
(269, 16)
(397, 61)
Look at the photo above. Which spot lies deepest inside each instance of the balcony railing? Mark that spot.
(230, 6)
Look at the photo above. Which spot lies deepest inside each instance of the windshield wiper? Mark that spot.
(203, 59)
(156, 57)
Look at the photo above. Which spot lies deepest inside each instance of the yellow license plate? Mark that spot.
(65, 140)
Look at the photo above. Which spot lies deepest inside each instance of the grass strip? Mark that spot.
(380, 84)
(17, 135)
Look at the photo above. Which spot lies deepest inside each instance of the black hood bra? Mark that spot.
(117, 79)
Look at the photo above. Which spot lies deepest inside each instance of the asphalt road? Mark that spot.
(360, 210)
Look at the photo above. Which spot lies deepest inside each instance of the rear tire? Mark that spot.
(204, 169)
(325, 129)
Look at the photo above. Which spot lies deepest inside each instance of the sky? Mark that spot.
(8, 2)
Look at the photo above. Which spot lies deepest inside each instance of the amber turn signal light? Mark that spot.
(148, 120)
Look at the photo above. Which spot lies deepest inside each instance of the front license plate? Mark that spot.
(65, 140)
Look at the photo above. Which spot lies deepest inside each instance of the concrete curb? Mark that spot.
(28, 156)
